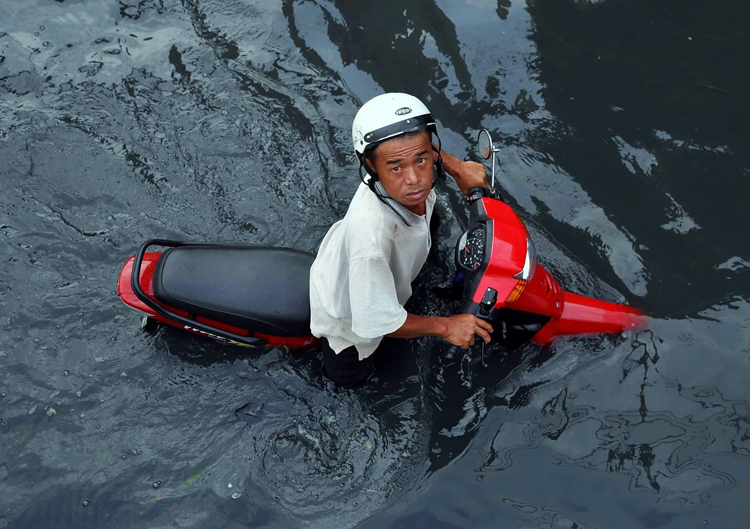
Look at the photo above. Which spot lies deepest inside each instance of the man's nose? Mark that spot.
(411, 177)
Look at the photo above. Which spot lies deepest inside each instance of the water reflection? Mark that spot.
(662, 450)
(645, 80)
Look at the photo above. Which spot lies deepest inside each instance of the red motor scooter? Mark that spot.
(257, 296)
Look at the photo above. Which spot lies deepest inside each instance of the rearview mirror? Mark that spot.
(487, 151)
(485, 144)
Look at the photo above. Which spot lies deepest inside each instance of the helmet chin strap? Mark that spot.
(371, 184)
(439, 167)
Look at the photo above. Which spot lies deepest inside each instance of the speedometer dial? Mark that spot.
(471, 248)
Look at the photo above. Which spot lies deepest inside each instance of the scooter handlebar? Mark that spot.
(468, 308)
(476, 193)
(452, 352)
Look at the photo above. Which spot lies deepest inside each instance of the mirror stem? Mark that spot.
(492, 181)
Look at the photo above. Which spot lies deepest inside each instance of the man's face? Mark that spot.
(404, 166)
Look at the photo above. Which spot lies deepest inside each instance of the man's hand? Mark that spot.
(463, 327)
(459, 329)
(471, 175)
(467, 175)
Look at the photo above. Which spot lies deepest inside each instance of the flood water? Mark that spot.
(622, 129)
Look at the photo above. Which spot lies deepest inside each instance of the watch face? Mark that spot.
(471, 248)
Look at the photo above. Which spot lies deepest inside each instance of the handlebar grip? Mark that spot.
(479, 189)
(452, 352)
(475, 193)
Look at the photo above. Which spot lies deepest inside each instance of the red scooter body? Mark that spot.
(258, 296)
(504, 283)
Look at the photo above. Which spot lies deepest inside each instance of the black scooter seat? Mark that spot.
(261, 289)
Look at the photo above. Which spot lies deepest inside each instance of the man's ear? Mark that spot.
(364, 163)
(369, 167)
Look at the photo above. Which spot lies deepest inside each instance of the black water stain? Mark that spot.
(175, 59)
(225, 49)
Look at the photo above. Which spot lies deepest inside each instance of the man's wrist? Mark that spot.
(461, 181)
(453, 166)
(441, 327)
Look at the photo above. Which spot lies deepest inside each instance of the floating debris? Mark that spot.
(250, 413)
(192, 479)
(236, 495)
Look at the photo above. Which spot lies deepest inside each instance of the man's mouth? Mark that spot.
(415, 194)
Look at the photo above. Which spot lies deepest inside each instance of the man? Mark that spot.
(362, 275)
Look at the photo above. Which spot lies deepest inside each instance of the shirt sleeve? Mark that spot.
(372, 294)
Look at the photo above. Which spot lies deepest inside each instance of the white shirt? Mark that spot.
(362, 275)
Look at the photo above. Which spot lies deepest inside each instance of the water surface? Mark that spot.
(622, 129)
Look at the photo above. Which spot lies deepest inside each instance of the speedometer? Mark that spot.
(470, 248)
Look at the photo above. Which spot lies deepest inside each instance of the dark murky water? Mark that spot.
(623, 129)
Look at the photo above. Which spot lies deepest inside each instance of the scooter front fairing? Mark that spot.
(505, 285)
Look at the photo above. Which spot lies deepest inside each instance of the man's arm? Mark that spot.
(459, 329)
(467, 175)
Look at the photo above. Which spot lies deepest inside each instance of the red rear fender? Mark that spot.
(125, 288)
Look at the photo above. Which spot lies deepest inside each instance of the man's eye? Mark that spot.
(396, 169)
(421, 160)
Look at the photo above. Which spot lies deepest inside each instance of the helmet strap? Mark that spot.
(370, 172)
(371, 184)
(439, 167)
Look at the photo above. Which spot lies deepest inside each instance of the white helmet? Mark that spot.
(386, 116)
